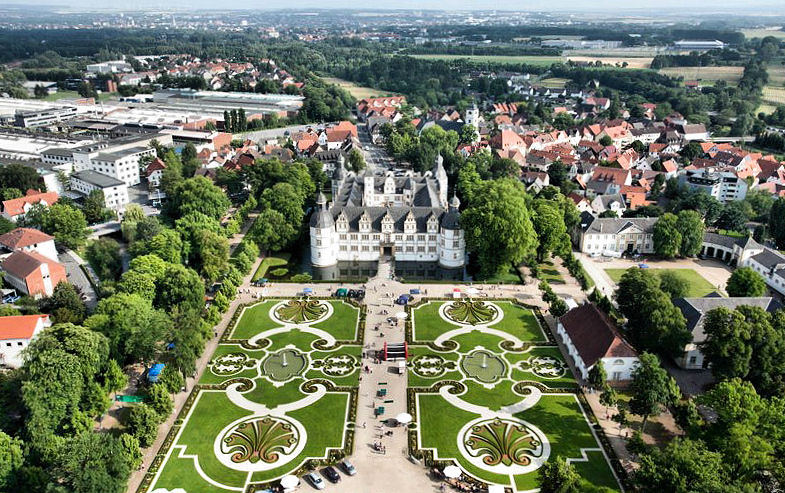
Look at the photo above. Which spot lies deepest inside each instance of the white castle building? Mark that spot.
(404, 216)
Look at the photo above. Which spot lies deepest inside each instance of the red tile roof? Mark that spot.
(21, 264)
(22, 237)
(594, 335)
(19, 326)
(16, 207)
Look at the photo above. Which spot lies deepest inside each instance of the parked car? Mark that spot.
(331, 474)
(348, 467)
(315, 480)
(351, 294)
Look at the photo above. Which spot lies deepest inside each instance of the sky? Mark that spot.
(736, 6)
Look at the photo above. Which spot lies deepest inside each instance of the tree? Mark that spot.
(356, 161)
(180, 287)
(667, 239)
(651, 387)
(143, 424)
(131, 452)
(20, 177)
(105, 258)
(683, 466)
(271, 231)
(557, 173)
(732, 217)
(284, 198)
(557, 476)
(197, 195)
(94, 207)
(548, 221)
(66, 223)
(114, 378)
(468, 135)
(167, 245)
(159, 400)
(11, 459)
(597, 375)
(777, 222)
(745, 282)
(691, 151)
(65, 304)
(605, 140)
(673, 285)
(213, 255)
(498, 226)
(691, 229)
(92, 463)
(608, 397)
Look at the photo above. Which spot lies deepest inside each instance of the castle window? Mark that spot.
(431, 237)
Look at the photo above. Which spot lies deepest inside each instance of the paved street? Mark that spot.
(76, 276)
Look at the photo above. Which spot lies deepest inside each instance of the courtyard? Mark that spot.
(278, 396)
(491, 392)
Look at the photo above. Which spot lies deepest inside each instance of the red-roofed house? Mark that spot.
(16, 332)
(507, 139)
(590, 336)
(29, 240)
(155, 171)
(32, 273)
(16, 209)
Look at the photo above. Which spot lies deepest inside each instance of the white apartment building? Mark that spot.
(115, 191)
(724, 186)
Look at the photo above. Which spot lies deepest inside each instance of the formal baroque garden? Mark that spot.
(491, 393)
(278, 396)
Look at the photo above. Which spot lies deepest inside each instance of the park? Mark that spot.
(278, 397)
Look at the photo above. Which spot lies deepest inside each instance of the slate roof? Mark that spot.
(695, 309)
(611, 225)
(594, 335)
(398, 215)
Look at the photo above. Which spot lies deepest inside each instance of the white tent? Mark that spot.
(404, 418)
(452, 472)
(289, 482)
(401, 315)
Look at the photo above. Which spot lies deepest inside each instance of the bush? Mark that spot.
(143, 424)
(304, 277)
(279, 272)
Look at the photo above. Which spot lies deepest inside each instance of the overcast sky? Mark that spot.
(737, 6)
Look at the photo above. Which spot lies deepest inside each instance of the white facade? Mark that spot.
(11, 347)
(599, 235)
(722, 185)
(45, 248)
(617, 368)
(115, 191)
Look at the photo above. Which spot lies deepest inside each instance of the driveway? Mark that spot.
(76, 276)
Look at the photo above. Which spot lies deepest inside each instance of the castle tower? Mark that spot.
(324, 243)
(339, 175)
(452, 251)
(473, 117)
(441, 179)
(368, 188)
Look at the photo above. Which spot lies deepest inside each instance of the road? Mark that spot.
(76, 276)
(375, 156)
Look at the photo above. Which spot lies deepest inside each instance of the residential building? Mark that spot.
(612, 236)
(15, 209)
(590, 336)
(16, 332)
(771, 265)
(154, 172)
(614, 203)
(115, 191)
(29, 240)
(33, 274)
(373, 215)
(724, 186)
(695, 310)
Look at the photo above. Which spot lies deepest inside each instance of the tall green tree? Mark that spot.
(746, 282)
(105, 258)
(557, 476)
(11, 460)
(691, 229)
(777, 222)
(548, 221)
(271, 231)
(667, 239)
(197, 195)
(683, 466)
(91, 463)
(498, 226)
(652, 388)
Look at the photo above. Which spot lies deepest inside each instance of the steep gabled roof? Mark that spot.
(23, 237)
(594, 335)
(19, 326)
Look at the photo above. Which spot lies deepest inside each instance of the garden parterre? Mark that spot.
(491, 392)
(279, 394)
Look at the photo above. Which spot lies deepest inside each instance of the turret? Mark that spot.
(452, 245)
(323, 237)
(441, 179)
(368, 188)
(339, 174)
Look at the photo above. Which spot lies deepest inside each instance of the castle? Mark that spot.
(402, 215)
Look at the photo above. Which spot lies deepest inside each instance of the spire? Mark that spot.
(439, 166)
(455, 204)
(321, 200)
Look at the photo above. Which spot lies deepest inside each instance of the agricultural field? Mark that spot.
(731, 75)
(358, 92)
(554, 83)
(774, 96)
(698, 286)
(762, 33)
(491, 392)
(633, 62)
(279, 394)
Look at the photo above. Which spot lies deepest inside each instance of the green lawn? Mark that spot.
(274, 383)
(489, 385)
(271, 262)
(698, 286)
(549, 273)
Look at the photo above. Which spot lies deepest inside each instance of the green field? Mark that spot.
(707, 75)
(236, 438)
(698, 286)
(358, 92)
(498, 389)
(762, 33)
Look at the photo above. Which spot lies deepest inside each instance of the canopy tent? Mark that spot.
(404, 418)
(495, 488)
(341, 292)
(289, 481)
(452, 472)
(472, 290)
(308, 290)
(155, 371)
(401, 315)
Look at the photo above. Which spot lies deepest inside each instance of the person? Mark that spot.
(363, 425)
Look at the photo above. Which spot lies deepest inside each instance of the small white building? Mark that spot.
(594, 235)
(16, 332)
(115, 191)
(29, 240)
(590, 336)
